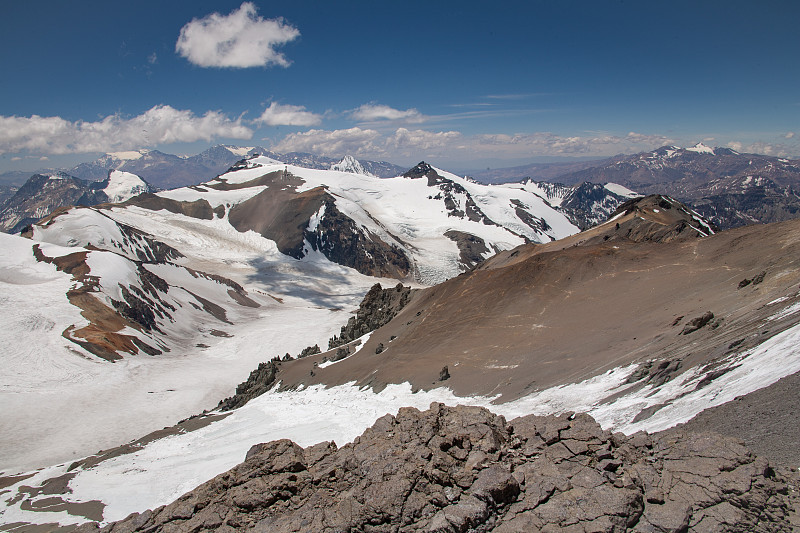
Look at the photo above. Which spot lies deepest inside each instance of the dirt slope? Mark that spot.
(545, 315)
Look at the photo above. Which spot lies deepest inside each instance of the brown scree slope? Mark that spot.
(544, 315)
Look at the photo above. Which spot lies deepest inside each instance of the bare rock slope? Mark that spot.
(465, 469)
(626, 292)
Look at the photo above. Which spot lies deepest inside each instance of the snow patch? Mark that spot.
(701, 148)
(132, 155)
(123, 186)
(621, 190)
(240, 151)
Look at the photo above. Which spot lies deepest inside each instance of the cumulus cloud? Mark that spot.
(764, 148)
(159, 125)
(407, 144)
(402, 143)
(789, 135)
(408, 141)
(288, 115)
(356, 141)
(373, 112)
(735, 145)
(241, 39)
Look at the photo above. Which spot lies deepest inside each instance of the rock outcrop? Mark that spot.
(377, 308)
(258, 382)
(465, 469)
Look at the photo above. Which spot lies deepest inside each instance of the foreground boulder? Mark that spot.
(465, 469)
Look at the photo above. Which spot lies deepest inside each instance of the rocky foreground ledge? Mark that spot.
(465, 469)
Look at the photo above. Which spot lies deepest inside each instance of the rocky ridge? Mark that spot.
(465, 469)
(378, 307)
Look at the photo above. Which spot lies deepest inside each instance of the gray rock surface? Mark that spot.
(465, 469)
(377, 308)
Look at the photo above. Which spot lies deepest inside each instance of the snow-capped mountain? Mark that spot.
(121, 186)
(426, 225)
(168, 171)
(586, 204)
(729, 187)
(43, 194)
(350, 164)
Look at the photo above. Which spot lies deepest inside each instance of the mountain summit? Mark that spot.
(350, 164)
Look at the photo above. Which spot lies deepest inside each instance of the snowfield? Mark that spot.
(72, 403)
(167, 468)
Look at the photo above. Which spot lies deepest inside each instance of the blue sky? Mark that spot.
(462, 84)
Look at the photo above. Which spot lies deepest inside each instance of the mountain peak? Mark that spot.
(124, 185)
(701, 148)
(350, 164)
(422, 169)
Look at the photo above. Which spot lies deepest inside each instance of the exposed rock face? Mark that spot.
(377, 308)
(343, 242)
(589, 204)
(282, 214)
(465, 469)
(260, 381)
(41, 195)
(198, 209)
(472, 247)
(456, 198)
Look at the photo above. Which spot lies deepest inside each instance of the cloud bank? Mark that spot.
(453, 145)
(159, 125)
(241, 39)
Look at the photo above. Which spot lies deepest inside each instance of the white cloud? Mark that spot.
(789, 135)
(409, 141)
(159, 125)
(152, 58)
(356, 141)
(454, 147)
(241, 39)
(288, 115)
(373, 112)
(760, 147)
(16, 158)
(403, 143)
(546, 143)
(735, 145)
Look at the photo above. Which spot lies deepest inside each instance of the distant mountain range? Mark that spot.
(584, 205)
(730, 188)
(168, 171)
